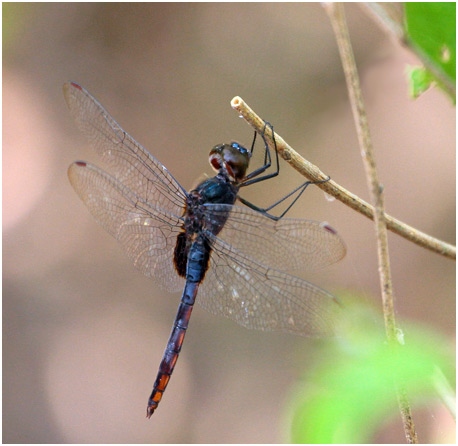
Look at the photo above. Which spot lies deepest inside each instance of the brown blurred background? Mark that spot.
(83, 331)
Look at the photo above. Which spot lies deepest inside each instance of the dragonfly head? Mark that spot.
(233, 158)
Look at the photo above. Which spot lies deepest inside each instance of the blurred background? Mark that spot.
(83, 331)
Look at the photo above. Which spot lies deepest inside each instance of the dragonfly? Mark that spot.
(231, 259)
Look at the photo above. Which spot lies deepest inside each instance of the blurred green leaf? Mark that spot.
(431, 28)
(346, 397)
(420, 79)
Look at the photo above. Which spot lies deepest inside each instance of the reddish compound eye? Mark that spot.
(215, 162)
(216, 157)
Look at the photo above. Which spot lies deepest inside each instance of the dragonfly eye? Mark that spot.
(233, 157)
(241, 149)
(236, 159)
(216, 157)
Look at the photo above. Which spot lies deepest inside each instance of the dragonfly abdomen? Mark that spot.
(172, 350)
(197, 264)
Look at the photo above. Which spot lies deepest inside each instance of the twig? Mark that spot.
(390, 16)
(406, 414)
(313, 173)
(444, 390)
(337, 17)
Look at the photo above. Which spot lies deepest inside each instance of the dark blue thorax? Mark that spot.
(198, 220)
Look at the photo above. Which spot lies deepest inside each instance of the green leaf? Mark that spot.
(431, 29)
(352, 391)
(419, 80)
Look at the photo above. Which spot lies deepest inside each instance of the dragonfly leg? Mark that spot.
(254, 177)
(266, 210)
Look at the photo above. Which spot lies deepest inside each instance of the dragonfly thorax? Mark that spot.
(217, 190)
(232, 158)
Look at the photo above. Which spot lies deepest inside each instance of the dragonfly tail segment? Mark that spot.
(196, 266)
(173, 346)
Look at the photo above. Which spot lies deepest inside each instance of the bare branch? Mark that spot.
(337, 16)
(313, 173)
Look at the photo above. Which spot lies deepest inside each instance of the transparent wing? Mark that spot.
(130, 163)
(146, 231)
(286, 244)
(262, 298)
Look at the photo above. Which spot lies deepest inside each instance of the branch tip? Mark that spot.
(236, 102)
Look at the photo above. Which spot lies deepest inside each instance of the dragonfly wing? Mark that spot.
(286, 244)
(130, 163)
(258, 297)
(146, 232)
